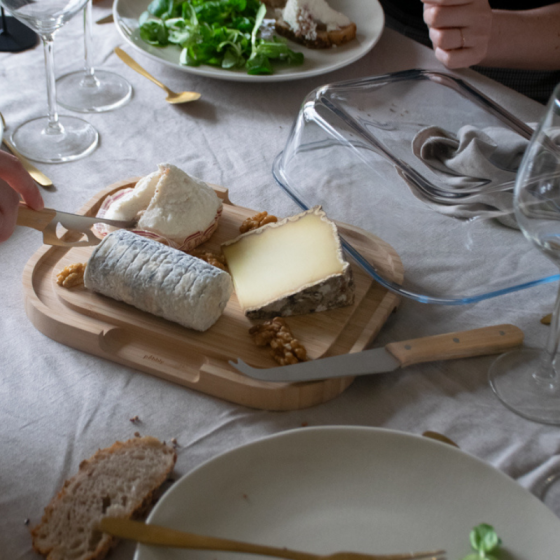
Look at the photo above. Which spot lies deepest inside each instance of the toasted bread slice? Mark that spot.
(320, 37)
(119, 481)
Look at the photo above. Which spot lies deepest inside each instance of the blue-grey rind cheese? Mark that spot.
(158, 279)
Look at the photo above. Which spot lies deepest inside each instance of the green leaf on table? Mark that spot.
(484, 540)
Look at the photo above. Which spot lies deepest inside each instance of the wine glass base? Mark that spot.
(511, 379)
(104, 91)
(77, 140)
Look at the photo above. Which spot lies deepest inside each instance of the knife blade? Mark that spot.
(463, 344)
(48, 219)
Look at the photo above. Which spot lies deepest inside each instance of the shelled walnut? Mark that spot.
(217, 260)
(283, 347)
(257, 221)
(71, 275)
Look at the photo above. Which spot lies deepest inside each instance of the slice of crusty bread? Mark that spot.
(119, 481)
(322, 39)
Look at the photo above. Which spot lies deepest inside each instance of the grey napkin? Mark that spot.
(474, 159)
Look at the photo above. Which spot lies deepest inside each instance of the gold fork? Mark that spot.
(37, 175)
(162, 536)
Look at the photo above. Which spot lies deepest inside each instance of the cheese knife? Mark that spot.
(47, 220)
(463, 344)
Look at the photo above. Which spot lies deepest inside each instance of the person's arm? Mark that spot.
(13, 180)
(469, 32)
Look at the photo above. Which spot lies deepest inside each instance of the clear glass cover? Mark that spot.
(350, 151)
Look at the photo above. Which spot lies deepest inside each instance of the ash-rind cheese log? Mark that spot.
(291, 267)
(158, 279)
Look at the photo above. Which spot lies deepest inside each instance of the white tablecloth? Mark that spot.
(59, 405)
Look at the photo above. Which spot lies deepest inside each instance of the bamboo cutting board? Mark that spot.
(118, 332)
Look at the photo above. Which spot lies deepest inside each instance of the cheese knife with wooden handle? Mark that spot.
(464, 344)
(48, 219)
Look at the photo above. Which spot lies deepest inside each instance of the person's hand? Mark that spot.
(13, 180)
(459, 30)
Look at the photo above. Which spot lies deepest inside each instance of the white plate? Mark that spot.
(344, 488)
(368, 15)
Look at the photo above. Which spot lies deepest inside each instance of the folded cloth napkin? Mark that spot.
(471, 165)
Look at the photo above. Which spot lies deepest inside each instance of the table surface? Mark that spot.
(59, 405)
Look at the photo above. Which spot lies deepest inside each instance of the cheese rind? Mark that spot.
(291, 267)
(158, 279)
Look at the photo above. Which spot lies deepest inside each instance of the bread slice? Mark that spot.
(119, 481)
(321, 38)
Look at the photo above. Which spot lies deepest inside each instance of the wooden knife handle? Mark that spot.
(36, 219)
(463, 344)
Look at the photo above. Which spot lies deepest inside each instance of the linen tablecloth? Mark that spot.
(59, 405)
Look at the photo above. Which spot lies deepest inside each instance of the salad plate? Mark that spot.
(368, 16)
(371, 490)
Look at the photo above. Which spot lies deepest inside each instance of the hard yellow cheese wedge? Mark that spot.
(291, 267)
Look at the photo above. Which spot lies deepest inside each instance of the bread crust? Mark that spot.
(324, 39)
(42, 541)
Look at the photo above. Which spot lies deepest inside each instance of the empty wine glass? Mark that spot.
(90, 90)
(527, 381)
(54, 138)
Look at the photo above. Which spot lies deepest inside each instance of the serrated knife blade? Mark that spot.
(463, 344)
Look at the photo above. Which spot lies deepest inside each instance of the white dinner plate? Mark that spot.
(345, 488)
(368, 15)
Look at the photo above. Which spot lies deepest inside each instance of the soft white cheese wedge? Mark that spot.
(171, 204)
(291, 267)
(133, 202)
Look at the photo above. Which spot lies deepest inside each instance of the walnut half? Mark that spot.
(217, 260)
(283, 347)
(257, 221)
(71, 275)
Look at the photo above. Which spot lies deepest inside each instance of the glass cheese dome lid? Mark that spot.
(428, 164)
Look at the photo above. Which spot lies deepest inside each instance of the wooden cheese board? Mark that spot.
(118, 332)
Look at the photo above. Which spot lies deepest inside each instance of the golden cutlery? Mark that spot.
(37, 175)
(439, 437)
(106, 19)
(162, 536)
(172, 97)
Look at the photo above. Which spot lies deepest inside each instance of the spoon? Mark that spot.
(172, 97)
(162, 536)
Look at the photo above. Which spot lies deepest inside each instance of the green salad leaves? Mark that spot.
(484, 541)
(221, 33)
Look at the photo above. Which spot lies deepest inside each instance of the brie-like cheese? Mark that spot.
(172, 205)
(291, 267)
(158, 279)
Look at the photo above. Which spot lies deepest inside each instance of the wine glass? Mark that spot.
(54, 138)
(527, 381)
(90, 90)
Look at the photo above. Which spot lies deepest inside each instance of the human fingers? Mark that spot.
(473, 14)
(13, 173)
(9, 201)
(458, 58)
(448, 39)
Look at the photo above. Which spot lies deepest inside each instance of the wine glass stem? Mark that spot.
(53, 125)
(89, 72)
(546, 373)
